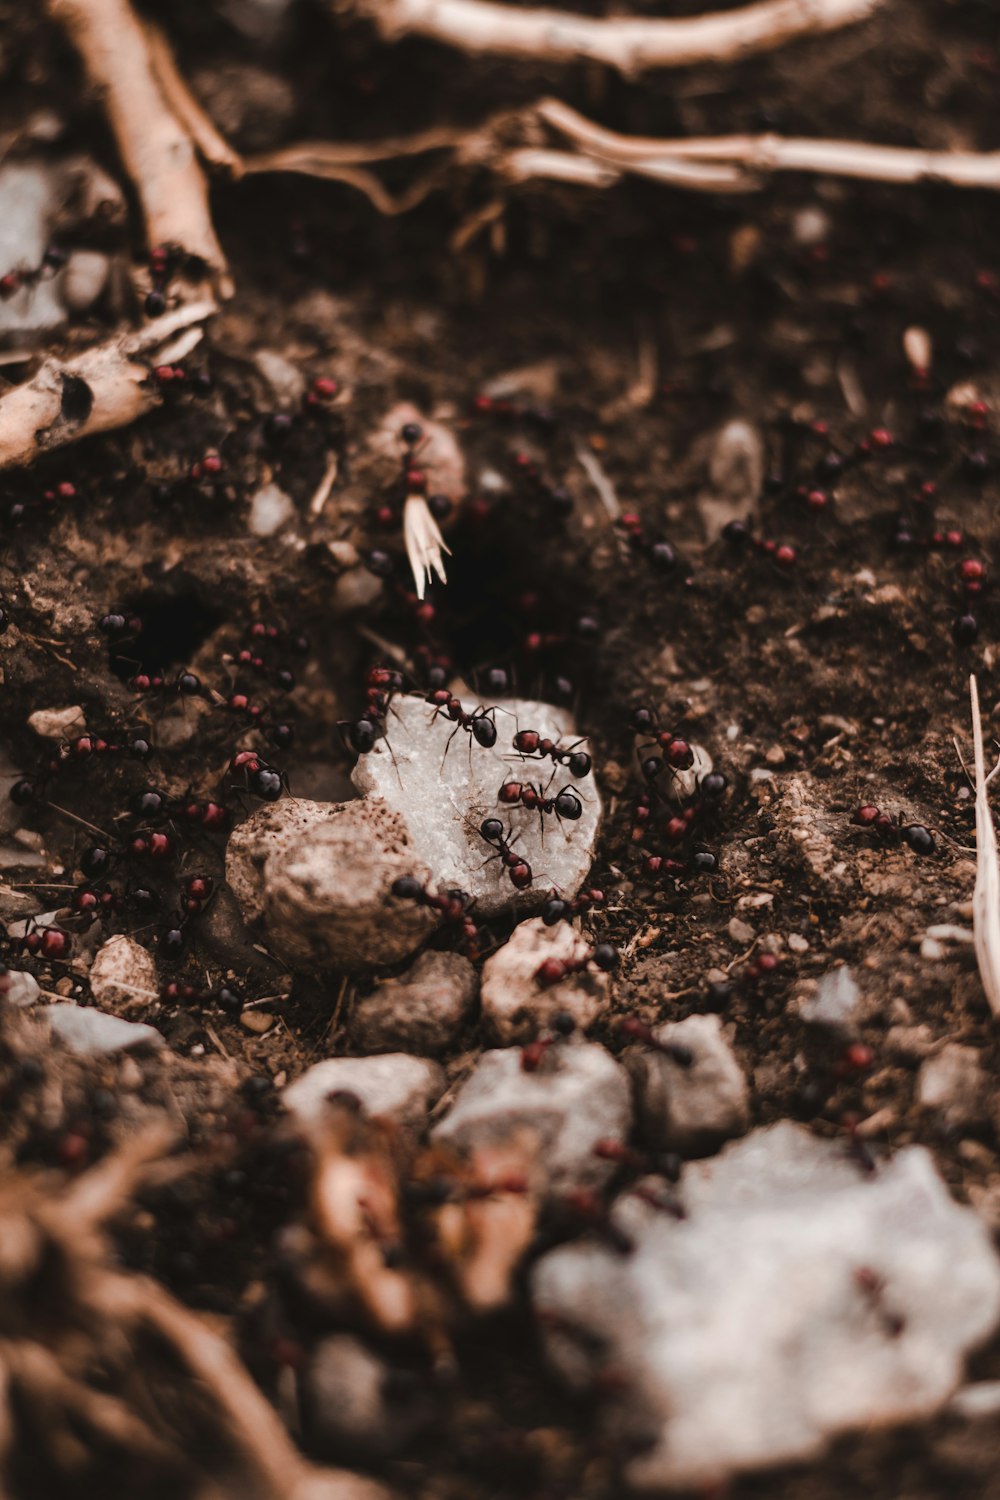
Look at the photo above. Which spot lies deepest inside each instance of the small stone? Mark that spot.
(86, 1030)
(83, 279)
(835, 1004)
(981, 1398)
(577, 1096)
(810, 225)
(393, 1086)
(797, 943)
(799, 1298)
(422, 1010)
(123, 974)
(270, 510)
(736, 476)
(954, 1084)
(58, 723)
(440, 456)
(285, 379)
(355, 1407)
(932, 949)
(258, 1021)
(442, 792)
(909, 1043)
(690, 1108)
(740, 932)
(318, 878)
(775, 756)
(20, 988)
(516, 1005)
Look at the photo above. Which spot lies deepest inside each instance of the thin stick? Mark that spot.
(761, 154)
(629, 44)
(158, 152)
(104, 388)
(986, 894)
(185, 106)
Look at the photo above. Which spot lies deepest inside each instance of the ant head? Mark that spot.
(713, 786)
(642, 720)
(492, 830)
(568, 804)
(407, 888)
(605, 956)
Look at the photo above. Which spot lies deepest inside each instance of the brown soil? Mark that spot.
(841, 675)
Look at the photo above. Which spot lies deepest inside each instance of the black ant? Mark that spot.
(518, 869)
(555, 970)
(258, 778)
(559, 909)
(480, 724)
(528, 742)
(565, 804)
(454, 907)
(362, 734)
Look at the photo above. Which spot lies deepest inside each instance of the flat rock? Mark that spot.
(123, 973)
(690, 1109)
(317, 877)
(578, 1096)
(19, 988)
(836, 1002)
(270, 509)
(800, 1298)
(355, 1406)
(954, 1085)
(443, 792)
(515, 1004)
(58, 723)
(422, 1010)
(87, 1030)
(395, 1086)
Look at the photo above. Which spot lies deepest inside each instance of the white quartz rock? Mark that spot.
(799, 1298)
(393, 1085)
(444, 797)
(123, 973)
(577, 1096)
(87, 1030)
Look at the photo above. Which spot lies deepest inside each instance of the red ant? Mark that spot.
(259, 778)
(555, 970)
(916, 835)
(453, 905)
(479, 724)
(362, 734)
(529, 743)
(565, 804)
(518, 869)
(676, 751)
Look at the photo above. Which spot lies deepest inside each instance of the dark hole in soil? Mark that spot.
(175, 623)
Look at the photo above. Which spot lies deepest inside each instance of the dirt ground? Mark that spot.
(815, 688)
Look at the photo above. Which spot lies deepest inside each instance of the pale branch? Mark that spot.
(986, 895)
(103, 388)
(210, 143)
(156, 148)
(758, 155)
(629, 44)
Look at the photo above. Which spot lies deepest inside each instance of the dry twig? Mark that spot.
(106, 387)
(156, 147)
(627, 43)
(986, 895)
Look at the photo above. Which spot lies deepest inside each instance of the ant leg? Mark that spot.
(448, 746)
